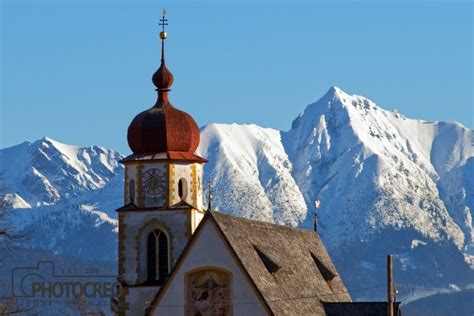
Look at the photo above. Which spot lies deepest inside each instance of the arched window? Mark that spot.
(157, 256)
(182, 188)
(132, 190)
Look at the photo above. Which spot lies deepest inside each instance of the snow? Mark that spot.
(390, 158)
(49, 171)
(15, 201)
(68, 151)
(54, 191)
(251, 173)
(415, 243)
(102, 217)
(417, 294)
(385, 181)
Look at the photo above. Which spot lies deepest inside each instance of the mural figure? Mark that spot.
(209, 293)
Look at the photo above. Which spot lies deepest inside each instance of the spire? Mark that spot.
(163, 78)
(209, 196)
(317, 204)
(163, 128)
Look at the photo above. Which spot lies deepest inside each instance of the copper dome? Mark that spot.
(163, 128)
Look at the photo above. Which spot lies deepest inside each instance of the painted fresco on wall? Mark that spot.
(209, 293)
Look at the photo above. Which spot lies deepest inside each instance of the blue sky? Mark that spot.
(78, 71)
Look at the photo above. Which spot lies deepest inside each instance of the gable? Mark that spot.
(208, 254)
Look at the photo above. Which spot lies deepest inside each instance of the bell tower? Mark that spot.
(163, 199)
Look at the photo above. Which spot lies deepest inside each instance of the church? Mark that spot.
(176, 256)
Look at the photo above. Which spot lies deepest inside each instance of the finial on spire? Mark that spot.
(163, 23)
(163, 35)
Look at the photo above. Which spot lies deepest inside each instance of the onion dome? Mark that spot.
(163, 78)
(163, 128)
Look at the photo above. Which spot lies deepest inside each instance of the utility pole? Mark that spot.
(389, 285)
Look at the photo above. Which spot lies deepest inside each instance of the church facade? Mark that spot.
(177, 257)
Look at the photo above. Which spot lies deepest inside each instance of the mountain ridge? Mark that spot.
(387, 184)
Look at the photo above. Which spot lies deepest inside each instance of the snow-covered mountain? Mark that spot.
(374, 168)
(46, 172)
(250, 173)
(56, 192)
(387, 184)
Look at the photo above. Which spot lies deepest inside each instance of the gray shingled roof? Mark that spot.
(299, 286)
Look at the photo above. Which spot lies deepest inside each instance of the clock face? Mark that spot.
(154, 182)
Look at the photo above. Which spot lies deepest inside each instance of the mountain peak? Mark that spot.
(56, 170)
(48, 141)
(335, 92)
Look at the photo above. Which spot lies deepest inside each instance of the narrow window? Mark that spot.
(162, 256)
(132, 190)
(157, 256)
(182, 188)
(151, 257)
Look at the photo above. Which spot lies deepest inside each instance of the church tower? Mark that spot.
(163, 199)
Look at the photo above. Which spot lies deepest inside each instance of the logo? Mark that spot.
(44, 284)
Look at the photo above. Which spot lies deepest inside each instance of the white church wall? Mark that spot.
(182, 171)
(139, 299)
(131, 174)
(197, 217)
(175, 223)
(191, 174)
(209, 251)
(198, 187)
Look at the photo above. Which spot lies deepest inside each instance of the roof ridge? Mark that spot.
(257, 222)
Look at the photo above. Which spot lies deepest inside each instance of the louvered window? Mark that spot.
(157, 256)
